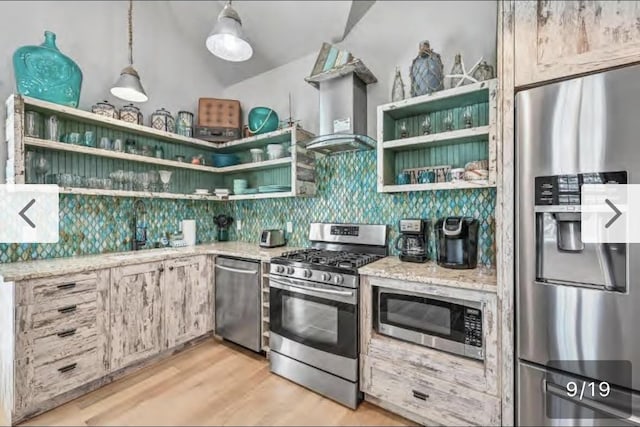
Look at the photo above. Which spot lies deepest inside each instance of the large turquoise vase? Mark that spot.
(45, 73)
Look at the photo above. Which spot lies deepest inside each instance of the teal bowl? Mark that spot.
(263, 120)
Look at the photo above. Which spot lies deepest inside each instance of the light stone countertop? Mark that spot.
(481, 278)
(26, 270)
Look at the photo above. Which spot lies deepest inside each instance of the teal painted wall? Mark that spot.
(346, 193)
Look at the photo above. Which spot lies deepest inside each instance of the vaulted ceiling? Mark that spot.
(279, 31)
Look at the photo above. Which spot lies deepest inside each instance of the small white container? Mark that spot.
(274, 151)
(457, 174)
(257, 155)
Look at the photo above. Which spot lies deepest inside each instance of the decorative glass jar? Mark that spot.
(184, 124)
(131, 114)
(483, 72)
(397, 92)
(457, 70)
(163, 120)
(105, 109)
(45, 73)
(427, 74)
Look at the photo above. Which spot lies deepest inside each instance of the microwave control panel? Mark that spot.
(473, 327)
(561, 190)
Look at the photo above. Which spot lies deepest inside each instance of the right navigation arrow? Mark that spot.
(615, 217)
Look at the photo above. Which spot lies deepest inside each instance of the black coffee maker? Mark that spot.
(457, 242)
(413, 241)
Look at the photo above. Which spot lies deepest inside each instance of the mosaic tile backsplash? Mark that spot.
(346, 193)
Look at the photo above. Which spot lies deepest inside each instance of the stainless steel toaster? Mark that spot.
(272, 238)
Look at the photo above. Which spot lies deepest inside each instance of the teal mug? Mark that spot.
(403, 178)
(427, 177)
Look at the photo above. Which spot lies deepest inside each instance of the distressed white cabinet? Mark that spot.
(137, 324)
(556, 39)
(189, 299)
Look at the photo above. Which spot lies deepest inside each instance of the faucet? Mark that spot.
(139, 225)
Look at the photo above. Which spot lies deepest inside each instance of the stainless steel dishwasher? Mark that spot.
(238, 301)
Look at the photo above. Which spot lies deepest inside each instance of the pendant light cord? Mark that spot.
(130, 32)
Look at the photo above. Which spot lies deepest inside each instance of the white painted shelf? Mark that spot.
(457, 185)
(433, 140)
(163, 195)
(72, 148)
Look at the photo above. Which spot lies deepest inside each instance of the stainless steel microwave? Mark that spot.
(446, 324)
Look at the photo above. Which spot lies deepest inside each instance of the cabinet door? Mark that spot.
(136, 313)
(189, 308)
(556, 39)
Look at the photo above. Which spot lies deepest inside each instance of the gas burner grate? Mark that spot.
(341, 259)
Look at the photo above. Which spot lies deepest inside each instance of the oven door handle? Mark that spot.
(345, 296)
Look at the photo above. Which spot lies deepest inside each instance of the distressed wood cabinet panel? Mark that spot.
(47, 290)
(430, 400)
(189, 306)
(555, 39)
(136, 307)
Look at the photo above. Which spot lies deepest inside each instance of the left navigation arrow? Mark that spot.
(24, 216)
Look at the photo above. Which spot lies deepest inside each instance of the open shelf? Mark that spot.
(459, 136)
(452, 185)
(137, 194)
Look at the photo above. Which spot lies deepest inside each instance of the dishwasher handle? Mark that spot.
(236, 270)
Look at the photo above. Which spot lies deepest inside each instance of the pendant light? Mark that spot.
(227, 40)
(128, 86)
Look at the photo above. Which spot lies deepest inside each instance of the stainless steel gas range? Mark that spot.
(314, 302)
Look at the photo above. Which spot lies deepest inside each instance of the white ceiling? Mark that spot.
(279, 31)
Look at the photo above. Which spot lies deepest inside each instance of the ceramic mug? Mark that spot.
(403, 178)
(427, 177)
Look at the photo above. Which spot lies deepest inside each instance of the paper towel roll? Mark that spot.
(189, 231)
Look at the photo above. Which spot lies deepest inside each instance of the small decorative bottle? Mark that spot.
(467, 117)
(426, 125)
(456, 69)
(403, 129)
(397, 92)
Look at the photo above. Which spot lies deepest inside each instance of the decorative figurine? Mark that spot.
(426, 71)
(460, 76)
(397, 92)
(43, 72)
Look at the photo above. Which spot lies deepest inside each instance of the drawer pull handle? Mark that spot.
(69, 309)
(67, 286)
(67, 368)
(419, 395)
(68, 333)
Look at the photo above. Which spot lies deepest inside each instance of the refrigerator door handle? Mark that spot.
(561, 392)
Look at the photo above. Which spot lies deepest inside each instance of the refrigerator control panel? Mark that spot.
(562, 190)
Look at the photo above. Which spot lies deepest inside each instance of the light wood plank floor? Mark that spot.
(210, 384)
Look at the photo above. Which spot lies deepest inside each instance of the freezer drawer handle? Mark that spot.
(67, 286)
(559, 391)
(66, 310)
(68, 368)
(68, 333)
(419, 395)
(236, 270)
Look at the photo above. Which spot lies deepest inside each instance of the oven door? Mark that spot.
(431, 322)
(319, 316)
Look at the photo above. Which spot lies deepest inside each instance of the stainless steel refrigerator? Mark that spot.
(578, 304)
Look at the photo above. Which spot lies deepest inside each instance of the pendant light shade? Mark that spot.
(227, 40)
(128, 87)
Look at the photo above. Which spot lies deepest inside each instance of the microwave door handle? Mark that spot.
(236, 270)
(594, 405)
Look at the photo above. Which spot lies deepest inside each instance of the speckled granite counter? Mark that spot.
(26, 270)
(482, 278)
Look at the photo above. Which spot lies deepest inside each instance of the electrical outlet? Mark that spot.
(239, 225)
(289, 227)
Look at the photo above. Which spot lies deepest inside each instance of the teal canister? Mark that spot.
(43, 72)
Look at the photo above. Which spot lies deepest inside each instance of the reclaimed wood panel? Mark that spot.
(136, 313)
(189, 303)
(7, 352)
(47, 290)
(556, 39)
(427, 399)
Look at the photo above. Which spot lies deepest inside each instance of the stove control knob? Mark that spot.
(326, 277)
(279, 269)
(291, 270)
(338, 279)
(307, 273)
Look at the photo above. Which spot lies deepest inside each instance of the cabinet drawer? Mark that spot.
(64, 313)
(57, 377)
(44, 291)
(62, 344)
(430, 399)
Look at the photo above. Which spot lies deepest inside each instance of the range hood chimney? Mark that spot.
(343, 109)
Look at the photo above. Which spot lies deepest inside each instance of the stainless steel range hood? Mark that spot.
(343, 112)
